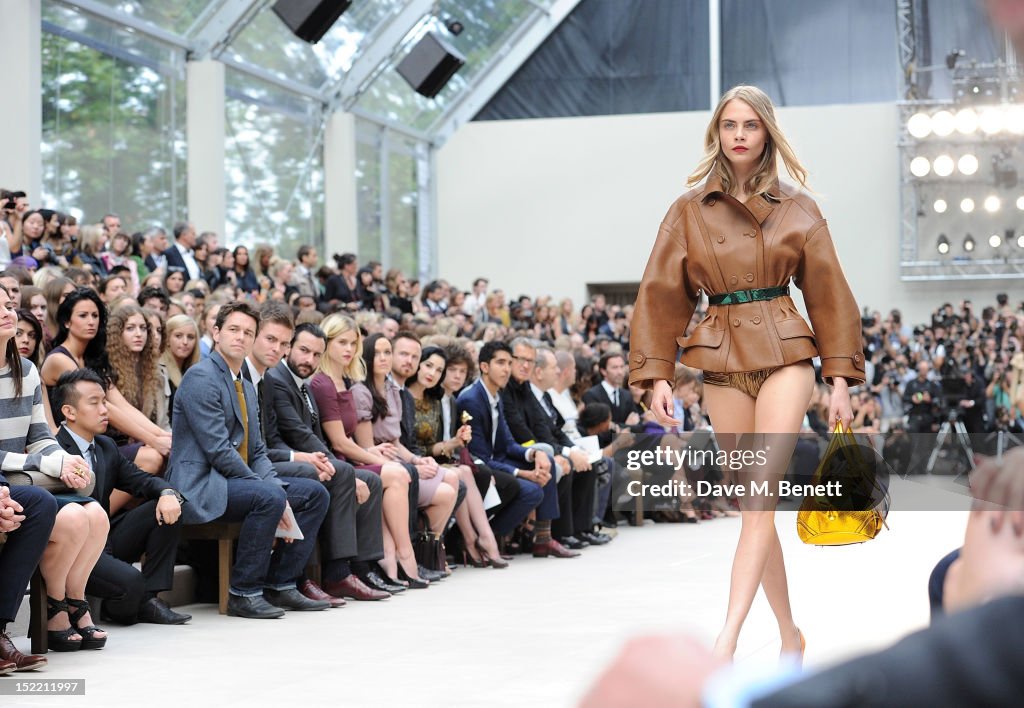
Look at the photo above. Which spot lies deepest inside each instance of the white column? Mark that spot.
(207, 203)
(341, 225)
(715, 50)
(21, 121)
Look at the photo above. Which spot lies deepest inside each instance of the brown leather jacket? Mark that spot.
(710, 242)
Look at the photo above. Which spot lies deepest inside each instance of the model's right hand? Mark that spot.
(662, 406)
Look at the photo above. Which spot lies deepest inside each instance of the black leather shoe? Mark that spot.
(292, 599)
(431, 575)
(573, 543)
(156, 611)
(252, 607)
(594, 538)
(375, 580)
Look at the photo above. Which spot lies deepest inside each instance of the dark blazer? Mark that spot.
(114, 471)
(527, 419)
(207, 433)
(597, 394)
(277, 451)
(174, 261)
(337, 289)
(505, 453)
(151, 263)
(295, 425)
(972, 658)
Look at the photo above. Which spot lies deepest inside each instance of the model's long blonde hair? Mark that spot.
(334, 326)
(775, 146)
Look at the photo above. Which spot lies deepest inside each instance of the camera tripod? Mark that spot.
(1001, 437)
(955, 427)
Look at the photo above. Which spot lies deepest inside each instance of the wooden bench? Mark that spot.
(225, 534)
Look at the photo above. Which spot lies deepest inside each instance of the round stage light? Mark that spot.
(940, 206)
(943, 165)
(1020, 203)
(990, 121)
(919, 125)
(943, 123)
(992, 203)
(943, 245)
(966, 121)
(967, 205)
(919, 166)
(968, 243)
(967, 164)
(1020, 241)
(1015, 119)
(995, 240)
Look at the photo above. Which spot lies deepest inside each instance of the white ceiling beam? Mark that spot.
(343, 93)
(212, 34)
(111, 15)
(482, 87)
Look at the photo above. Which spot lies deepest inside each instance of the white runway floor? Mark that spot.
(508, 637)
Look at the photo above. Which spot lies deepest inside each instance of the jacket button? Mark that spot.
(756, 320)
(749, 277)
(721, 239)
(639, 359)
(734, 280)
(749, 234)
(711, 202)
(736, 323)
(857, 356)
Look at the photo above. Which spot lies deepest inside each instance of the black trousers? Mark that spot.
(115, 579)
(504, 483)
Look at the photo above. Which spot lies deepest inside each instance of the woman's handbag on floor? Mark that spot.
(429, 550)
(856, 501)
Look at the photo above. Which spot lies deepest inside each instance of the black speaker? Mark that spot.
(310, 19)
(429, 65)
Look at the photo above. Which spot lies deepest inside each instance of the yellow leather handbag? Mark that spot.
(829, 520)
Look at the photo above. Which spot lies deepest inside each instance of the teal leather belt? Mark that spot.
(741, 296)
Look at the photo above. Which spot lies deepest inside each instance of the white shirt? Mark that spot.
(494, 413)
(472, 303)
(447, 409)
(190, 262)
(566, 407)
(612, 392)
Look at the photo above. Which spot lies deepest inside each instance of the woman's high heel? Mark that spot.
(60, 639)
(799, 656)
(487, 560)
(414, 583)
(469, 559)
(89, 638)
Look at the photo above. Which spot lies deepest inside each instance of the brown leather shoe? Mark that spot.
(7, 667)
(353, 587)
(22, 662)
(315, 592)
(554, 549)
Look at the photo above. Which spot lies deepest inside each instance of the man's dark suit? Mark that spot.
(175, 262)
(506, 455)
(527, 420)
(972, 658)
(597, 394)
(133, 533)
(351, 530)
(208, 469)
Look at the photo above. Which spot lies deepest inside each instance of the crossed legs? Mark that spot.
(778, 408)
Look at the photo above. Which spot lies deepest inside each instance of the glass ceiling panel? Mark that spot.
(268, 43)
(171, 15)
(488, 26)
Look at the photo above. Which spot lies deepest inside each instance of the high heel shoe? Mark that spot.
(469, 559)
(487, 560)
(89, 638)
(60, 639)
(414, 583)
(798, 656)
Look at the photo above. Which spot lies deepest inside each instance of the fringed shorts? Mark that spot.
(749, 382)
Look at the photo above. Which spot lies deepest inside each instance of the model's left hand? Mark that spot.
(839, 404)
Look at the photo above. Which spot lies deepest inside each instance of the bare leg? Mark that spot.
(440, 508)
(95, 540)
(66, 539)
(474, 505)
(396, 515)
(782, 402)
(389, 563)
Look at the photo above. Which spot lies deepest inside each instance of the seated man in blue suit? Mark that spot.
(219, 463)
(493, 445)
